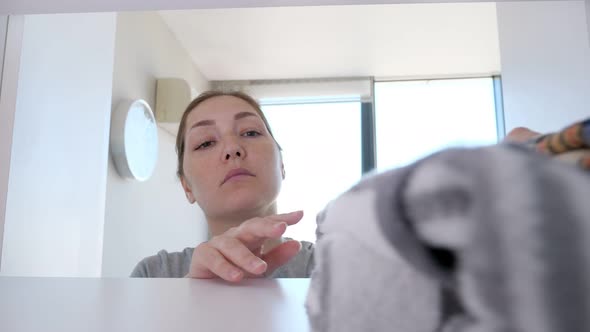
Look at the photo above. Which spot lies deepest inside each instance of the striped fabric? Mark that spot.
(570, 144)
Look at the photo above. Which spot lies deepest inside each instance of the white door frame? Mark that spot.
(10, 48)
(12, 51)
(12, 7)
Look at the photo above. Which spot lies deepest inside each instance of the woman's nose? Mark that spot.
(237, 154)
(233, 150)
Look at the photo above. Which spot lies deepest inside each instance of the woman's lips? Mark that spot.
(235, 173)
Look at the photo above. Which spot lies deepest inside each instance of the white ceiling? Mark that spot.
(385, 41)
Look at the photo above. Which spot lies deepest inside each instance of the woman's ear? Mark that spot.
(187, 190)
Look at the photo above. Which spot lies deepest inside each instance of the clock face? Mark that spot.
(141, 141)
(134, 140)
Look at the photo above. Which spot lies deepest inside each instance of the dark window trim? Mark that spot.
(368, 155)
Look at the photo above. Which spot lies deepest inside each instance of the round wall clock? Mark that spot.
(134, 140)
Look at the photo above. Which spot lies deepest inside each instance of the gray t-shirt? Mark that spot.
(177, 264)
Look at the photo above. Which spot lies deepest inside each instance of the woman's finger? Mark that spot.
(208, 262)
(238, 254)
(281, 255)
(254, 231)
(289, 218)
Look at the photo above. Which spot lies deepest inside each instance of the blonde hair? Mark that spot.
(180, 137)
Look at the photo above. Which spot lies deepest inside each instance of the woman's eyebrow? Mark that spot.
(238, 116)
(242, 115)
(203, 123)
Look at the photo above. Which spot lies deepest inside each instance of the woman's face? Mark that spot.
(232, 165)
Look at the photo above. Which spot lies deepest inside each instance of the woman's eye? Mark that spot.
(205, 145)
(251, 133)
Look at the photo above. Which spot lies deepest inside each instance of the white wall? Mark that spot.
(545, 58)
(144, 217)
(57, 182)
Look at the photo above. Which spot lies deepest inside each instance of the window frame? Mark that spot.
(367, 121)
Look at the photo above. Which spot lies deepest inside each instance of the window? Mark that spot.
(322, 142)
(322, 155)
(416, 118)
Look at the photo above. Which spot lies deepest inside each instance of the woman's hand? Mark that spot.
(237, 253)
(521, 135)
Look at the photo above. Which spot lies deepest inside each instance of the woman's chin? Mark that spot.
(244, 203)
(247, 204)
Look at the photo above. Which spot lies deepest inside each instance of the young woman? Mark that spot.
(231, 166)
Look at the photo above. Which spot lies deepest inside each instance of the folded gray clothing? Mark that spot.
(493, 239)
